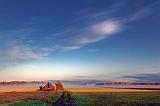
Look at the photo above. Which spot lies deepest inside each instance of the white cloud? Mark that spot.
(90, 34)
(22, 52)
(107, 27)
(69, 48)
(99, 31)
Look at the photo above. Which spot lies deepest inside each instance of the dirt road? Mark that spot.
(65, 100)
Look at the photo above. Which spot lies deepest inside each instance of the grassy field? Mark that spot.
(24, 96)
(117, 99)
(26, 103)
(88, 98)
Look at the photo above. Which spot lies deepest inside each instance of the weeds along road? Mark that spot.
(64, 100)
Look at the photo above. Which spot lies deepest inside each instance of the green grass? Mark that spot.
(81, 100)
(55, 97)
(26, 103)
(44, 102)
(117, 99)
(98, 99)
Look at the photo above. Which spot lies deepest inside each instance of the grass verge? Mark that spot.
(26, 103)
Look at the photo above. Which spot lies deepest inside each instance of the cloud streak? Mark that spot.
(100, 31)
(23, 52)
(91, 34)
(155, 77)
(144, 11)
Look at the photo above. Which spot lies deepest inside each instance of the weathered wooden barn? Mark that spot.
(52, 87)
(48, 87)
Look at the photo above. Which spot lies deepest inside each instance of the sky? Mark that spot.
(80, 40)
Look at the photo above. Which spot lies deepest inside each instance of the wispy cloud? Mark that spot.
(99, 31)
(144, 11)
(93, 50)
(22, 52)
(17, 45)
(154, 77)
(69, 48)
(91, 33)
(83, 77)
(107, 27)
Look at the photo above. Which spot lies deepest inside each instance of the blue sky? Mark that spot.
(83, 39)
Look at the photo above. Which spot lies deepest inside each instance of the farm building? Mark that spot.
(49, 87)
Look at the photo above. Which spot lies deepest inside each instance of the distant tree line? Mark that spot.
(18, 82)
(128, 83)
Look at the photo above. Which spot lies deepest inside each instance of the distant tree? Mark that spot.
(59, 85)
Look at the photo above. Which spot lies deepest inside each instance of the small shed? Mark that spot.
(47, 87)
